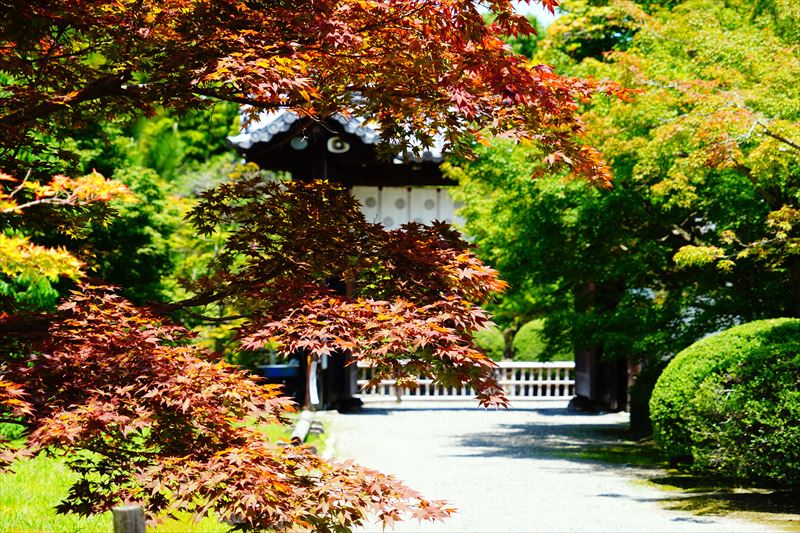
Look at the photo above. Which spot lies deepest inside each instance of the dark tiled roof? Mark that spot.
(270, 123)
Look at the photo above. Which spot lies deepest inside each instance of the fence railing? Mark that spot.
(520, 380)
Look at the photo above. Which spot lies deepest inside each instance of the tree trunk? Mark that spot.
(793, 266)
(508, 339)
(599, 384)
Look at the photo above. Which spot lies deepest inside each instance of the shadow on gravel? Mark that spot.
(726, 500)
(580, 442)
(779, 508)
(607, 447)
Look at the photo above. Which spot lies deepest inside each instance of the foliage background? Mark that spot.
(699, 229)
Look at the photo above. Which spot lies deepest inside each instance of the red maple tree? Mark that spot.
(144, 416)
(417, 289)
(141, 414)
(415, 66)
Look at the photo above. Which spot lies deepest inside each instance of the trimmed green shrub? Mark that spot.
(529, 344)
(492, 342)
(730, 404)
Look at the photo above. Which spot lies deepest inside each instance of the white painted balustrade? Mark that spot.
(520, 380)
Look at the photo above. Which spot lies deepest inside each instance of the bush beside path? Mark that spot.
(526, 469)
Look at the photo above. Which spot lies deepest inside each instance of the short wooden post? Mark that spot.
(302, 428)
(128, 519)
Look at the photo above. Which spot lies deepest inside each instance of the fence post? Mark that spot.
(128, 519)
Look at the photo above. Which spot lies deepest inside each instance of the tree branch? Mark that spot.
(194, 301)
(216, 320)
(114, 86)
(52, 200)
(778, 137)
(244, 100)
(20, 186)
(772, 200)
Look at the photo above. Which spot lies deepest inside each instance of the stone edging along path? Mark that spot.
(523, 470)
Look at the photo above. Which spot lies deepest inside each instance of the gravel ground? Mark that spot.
(505, 470)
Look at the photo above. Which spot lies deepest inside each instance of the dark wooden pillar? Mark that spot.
(600, 384)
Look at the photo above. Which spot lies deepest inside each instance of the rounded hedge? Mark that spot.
(529, 344)
(730, 403)
(492, 342)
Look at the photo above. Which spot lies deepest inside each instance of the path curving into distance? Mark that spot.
(520, 470)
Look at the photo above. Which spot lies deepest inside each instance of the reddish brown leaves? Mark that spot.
(12, 399)
(414, 66)
(401, 340)
(413, 305)
(169, 430)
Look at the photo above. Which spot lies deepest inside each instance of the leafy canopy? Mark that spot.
(416, 289)
(176, 431)
(704, 168)
(416, 67)
(142, 414)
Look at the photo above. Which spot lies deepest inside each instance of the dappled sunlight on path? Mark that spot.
(531, 468)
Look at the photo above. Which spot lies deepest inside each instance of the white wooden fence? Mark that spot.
(532, 381)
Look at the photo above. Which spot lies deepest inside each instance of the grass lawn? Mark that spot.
(29, 494)
(28, 497)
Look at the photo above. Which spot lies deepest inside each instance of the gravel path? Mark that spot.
(512, 470)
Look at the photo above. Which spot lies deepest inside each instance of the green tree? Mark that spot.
(712, 137)
(526, 44)
(592, 262)
(133, 249)
(705, 166)
(164, 161)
